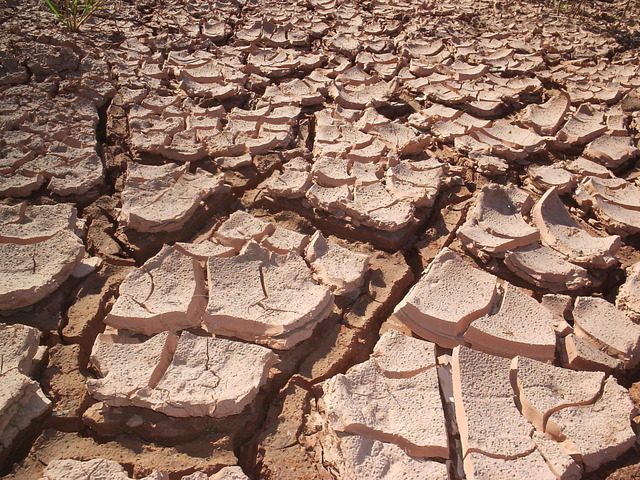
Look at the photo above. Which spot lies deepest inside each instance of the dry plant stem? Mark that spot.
(624, 12)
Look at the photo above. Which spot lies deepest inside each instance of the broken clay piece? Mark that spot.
(601, 323)
(495, 223)
(181, 376)
(561, 232)
(40, 247)
(335, 266)
(163, 198)
(166, 293)
(249, 297)
(440, 307)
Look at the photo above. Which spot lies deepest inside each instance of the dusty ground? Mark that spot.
(384, 132)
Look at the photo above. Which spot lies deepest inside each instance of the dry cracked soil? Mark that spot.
(320, 239)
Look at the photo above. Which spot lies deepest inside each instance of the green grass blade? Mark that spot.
(74, 13)
(86, 9)
(52, 6)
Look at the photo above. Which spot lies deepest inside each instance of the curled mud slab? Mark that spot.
(319, 239)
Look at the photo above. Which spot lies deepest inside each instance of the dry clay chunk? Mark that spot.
(602, 323)
(102, 469)
(293, 181)
(417, 181)
(495, 224)
(614, 190)
(24, 223)
(612, 151)
(283, 241)
(560, 305)
(583, 167)
(331, 172)
(601, 432)
(615, 202)
(229, 473)
(203, 250)
(127, 365)
(21, 402)
(546, 268)
(543, 177)
(399, 355)
(30, 272)
(20, 345)
(581, 354)
(234, 163)
(585, 125)
(405, 410)
(19, 186)
(337, 267)
(97, 469)
(163, 198)
(358, 457)
(181, 377)
(250, 297)
(561, 232)
(331, 200)
(374, 206)
(547, 118)
(241, 227)
(487, 417)
(628, 298)
(482, 467)
(520, 327)
(39, 249)
(448, 297)
(544, 389)
(514, 139)
(209, 377)
(166, 293)
(563, 465)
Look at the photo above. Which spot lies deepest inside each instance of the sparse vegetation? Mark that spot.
(617, 18)
(74, 13)
(574, 7)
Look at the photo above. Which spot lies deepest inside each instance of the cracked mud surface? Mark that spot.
(318, 239)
